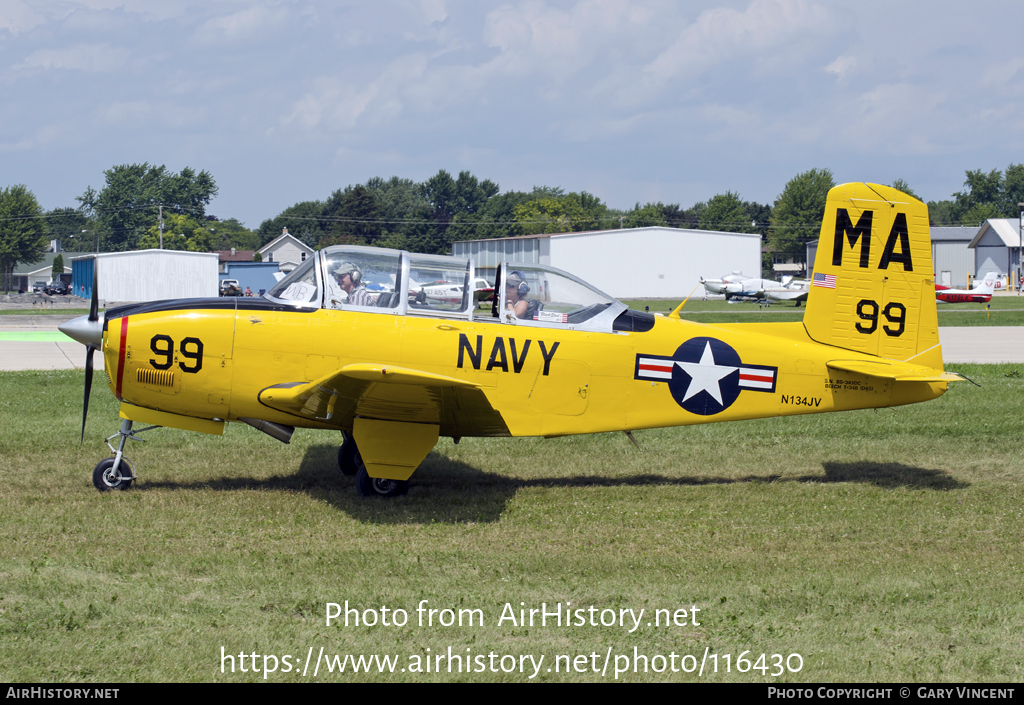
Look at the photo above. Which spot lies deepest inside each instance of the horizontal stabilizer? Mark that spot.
(900, 372)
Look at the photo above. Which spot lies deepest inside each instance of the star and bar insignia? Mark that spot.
(705, 375)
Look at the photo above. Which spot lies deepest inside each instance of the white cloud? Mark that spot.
(841, 66)
(90, 58)
(17, 16)
(535, 39)
(335, 104)
(721, 34)
(248, 23)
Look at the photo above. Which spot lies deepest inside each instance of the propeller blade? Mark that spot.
(89, 349)
(94, 305)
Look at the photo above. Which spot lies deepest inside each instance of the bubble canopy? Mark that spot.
(395, 282)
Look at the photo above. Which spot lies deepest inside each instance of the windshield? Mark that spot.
(546, 294)
(362, 276)
(298, 287)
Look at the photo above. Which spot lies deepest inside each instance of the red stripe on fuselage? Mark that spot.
(120, 356)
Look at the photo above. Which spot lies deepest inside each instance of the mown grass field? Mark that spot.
(879, 545)
(1004, 311)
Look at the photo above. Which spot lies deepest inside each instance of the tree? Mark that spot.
(128, 203)
(58, 267)
(798, 211)
(551, 215)
(902, 185)
(1013, 190)
(494, 221)
(225, 234)
(450, 198)
(645, 216)
(22, 231)
(180, 233)
(72, 227)
(351, 217)
(302, 221)
(726, 212)
(989, 195)
(940, 213)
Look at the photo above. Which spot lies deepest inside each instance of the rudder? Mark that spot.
(873, 288)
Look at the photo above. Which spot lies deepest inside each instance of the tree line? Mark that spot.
(428, 216)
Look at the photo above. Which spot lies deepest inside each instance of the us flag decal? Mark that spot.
(826, 280)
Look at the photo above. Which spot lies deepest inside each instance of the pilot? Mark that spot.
(350, 280)
(516, 289)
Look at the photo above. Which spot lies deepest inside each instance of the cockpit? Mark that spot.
(394, 282)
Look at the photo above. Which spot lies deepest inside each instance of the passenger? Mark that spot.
(516, 290)
(350, 279)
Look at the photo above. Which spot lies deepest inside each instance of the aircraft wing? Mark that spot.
(897, 371)
(794, 295)
(389, 393)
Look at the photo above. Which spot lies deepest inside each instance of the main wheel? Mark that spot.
(105, 479)
(376, 486)
(347, 455)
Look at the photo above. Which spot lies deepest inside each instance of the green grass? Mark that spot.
(50, 310)
(879, 545)
(1005, 311)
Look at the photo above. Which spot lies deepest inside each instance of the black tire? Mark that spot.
(347, 455)
(104, 482)
(368, 486)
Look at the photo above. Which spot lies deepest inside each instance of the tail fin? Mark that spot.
(873, 289)
(988, 284)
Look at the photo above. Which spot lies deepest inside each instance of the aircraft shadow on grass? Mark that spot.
(450, 491)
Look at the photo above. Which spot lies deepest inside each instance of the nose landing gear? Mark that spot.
(118, 473)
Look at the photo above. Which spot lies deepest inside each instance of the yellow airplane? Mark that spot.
(552, 357)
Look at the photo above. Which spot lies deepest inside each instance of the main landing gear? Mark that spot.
(117, 473)
(351, 463)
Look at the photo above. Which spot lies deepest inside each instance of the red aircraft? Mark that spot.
(980, 294)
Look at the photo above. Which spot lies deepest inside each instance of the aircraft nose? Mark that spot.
(83, 330)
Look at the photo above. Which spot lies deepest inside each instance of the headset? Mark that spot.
(350, 269)
(523, 287)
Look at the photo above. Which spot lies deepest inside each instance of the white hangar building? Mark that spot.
(146, 275)
(631, 263)
(997, 247)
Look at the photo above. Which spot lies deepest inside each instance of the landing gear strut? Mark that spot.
(351, 463)
(117, 473)
(347, 455)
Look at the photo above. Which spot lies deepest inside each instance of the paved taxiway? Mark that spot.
(34, 343)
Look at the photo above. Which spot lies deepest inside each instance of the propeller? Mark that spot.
(87, 330)
(94, 316)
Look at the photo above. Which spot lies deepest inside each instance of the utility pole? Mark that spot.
(161, 226)
(1020, 242)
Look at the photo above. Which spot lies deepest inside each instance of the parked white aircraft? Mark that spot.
(737, 286)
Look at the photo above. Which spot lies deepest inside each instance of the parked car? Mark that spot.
(230, 287)
(57, 287)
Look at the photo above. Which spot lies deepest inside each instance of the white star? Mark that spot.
(706, 376)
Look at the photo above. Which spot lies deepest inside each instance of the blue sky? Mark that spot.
(631, 101)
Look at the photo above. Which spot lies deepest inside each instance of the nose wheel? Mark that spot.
(113, 475)
(117, 473)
